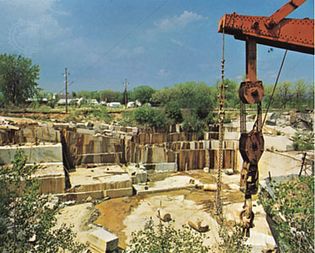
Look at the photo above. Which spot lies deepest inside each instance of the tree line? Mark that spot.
(19, 81)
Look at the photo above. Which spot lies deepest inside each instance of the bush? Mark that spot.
(192, 124)
(163, 238)
(27, 221)
(173, 113)
(292, 211)
(303, 141)
(150, 117)
(100, 113)
(197, 96)
(233, 240)
(142, 93)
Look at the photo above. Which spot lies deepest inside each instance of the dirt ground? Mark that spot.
(113, 212)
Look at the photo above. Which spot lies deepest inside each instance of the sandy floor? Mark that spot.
(120, 215)
(77, 216)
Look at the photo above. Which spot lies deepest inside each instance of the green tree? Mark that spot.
(173, 113)
(143, 94)
(18, 77)
(27, 219)
(110, 96)
(299, 94)
(193, 124)
(231, 93)
(150, 117)
(197, 96)
(310, 96)
(285, 94)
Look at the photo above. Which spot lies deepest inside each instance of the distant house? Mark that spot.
(62, 101)
(92, 101)
(114, 104)
(37, 100)
(131, 104)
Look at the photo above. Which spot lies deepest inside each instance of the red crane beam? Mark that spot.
(291, 34)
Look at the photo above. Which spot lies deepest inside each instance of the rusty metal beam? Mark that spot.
(292, 34)
(283, 12)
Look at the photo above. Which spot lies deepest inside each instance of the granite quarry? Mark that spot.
(125, 174)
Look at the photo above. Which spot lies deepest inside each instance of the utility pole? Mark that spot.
(126, 92)
(66, 88)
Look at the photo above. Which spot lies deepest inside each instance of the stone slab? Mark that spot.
(34, 154)
(118, 193)
(80, 196)
(168, 184)
(161, 167)
(101, 241)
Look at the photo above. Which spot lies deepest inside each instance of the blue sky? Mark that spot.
(151, 42)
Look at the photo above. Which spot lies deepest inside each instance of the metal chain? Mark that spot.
(221, 134)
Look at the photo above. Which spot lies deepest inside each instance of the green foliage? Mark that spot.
(231, 93)
(102, 95)
(292, 210)
(27, 219)
(142, 93)
(197, 96)
(164, 238)
(150, 117)
(192, 123)
(288, 95)
(17, 78)
(173, 113)
(128, 119)
(233, 240)
(110, 96)
(303, 141)
(99, 113)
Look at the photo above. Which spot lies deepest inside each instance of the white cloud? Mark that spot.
(30, 23)
(127, 52)
(181, 21)
(163, 73)
(177, 42)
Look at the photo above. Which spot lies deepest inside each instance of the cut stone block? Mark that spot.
(35, 154)
(162, 167)
(101, 241)
(118, 193)
(80, 196)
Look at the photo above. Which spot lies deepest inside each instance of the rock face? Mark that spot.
(88, 144)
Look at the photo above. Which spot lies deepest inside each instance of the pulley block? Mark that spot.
(249, 179)
(251, 146)
(251, 92)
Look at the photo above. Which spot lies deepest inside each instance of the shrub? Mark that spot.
(173, 113)
(292, 211)
(27, 221)
(233, 240)
(150, 117)
(164, 238)
(303, 141)
(192, 123)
